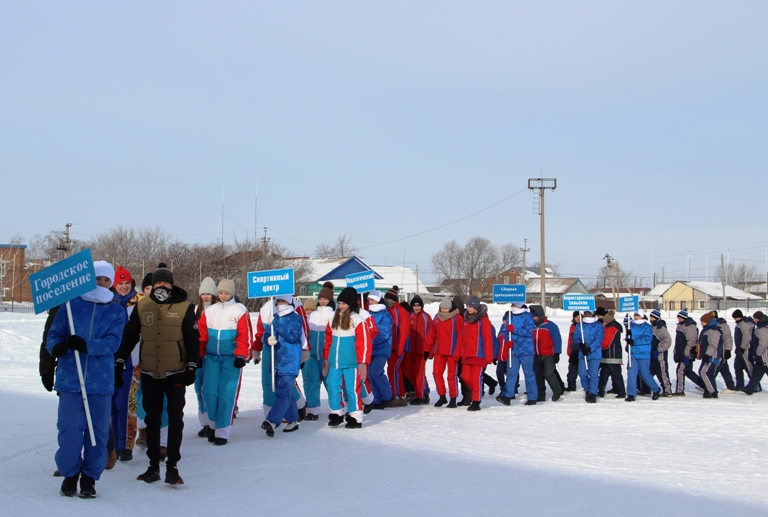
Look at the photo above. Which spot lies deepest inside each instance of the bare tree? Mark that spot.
(555, 268)
(605, 274)
(473, 267)
(738, 274)
(340, 249)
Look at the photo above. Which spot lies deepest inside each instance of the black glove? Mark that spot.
(557, 358)
(47, 381)
(706, 358)
(727, 354)
(60, 349)
(75, 342)
(676, 359)
(199, 362)
(239, 362)
(119, 368)
(495, 362)
(426, 356)
(630, 341)
(584, 349)
(189, 376)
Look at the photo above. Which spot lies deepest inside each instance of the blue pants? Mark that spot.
(266, 380)
(284, 407)
(382, 391)
(74, 438)
(220, 392)
(588, 373)
(642, 367)
(120, 407)
(312, 373)
(348, 381)
(202, 414)
(530, 378)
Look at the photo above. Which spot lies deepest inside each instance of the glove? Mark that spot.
(584, 349)
(676, 359)
(727, 354)
(426, 356)
(119, 369)
(706, 358)
(239, 362)
(271, 340)
(270, 320)
(60, 349)
(75, 342)
(557, 358)
(189, 376)
(256, 357)
(630, 341)
(47, 381)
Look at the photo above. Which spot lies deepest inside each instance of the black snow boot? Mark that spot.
(367, 408)
(302, 414)
(656, 395)
(126, 455)
(335, 420)
(69, 486)
(452, 403)
(629, 398)
(441, 401)
(269, 427)
(474, 406)
(219, 441)
(504, 400)
(172, 475)
(151, 475)
(202, 433)
(87, 487)
(530, 403)
(210, 434)
(591, 398)
(353, 424)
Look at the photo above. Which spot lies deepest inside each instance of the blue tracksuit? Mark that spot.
(312, 373)
(521, 354)
(640, 357)
(288, 330)
(382, 348)
(589, 364)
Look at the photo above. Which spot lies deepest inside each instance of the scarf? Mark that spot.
(474, 318)
(99, 295)
(444, 316)
(284, 310)
(123, 299)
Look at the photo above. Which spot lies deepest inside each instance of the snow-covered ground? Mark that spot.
(674, 456)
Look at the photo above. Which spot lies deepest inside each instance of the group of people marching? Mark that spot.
(139, 352)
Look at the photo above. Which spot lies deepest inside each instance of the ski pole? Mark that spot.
(581, 327)
(82, 380)
(272, 333)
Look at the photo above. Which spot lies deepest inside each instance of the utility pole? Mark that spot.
(542, 184)
(264, 242)
(722, 277)
(525, 249)
(609, 265)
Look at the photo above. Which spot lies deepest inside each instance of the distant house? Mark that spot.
(707, 296)
(555, 288)
(14, 274)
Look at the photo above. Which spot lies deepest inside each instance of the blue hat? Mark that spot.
(683, 314)
(656, 313)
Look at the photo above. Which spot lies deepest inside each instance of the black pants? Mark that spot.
(573, 369)
(660, 370)
(758, 371)
(544, 368)
(741, 364)
(725, 371)
(612, 371)
(153, 392)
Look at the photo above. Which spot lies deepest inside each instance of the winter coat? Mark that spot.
(289, 330)
(743, 333)
(522, 332)
(642, 334)
(477, 338)
(546, 338)
(611, 346)
(101, 326)
(661, 338)
(448, 334)
(347, 348)
(593, 337)
(382, 342)
(47, 364)
(727, 335)
(318, 323)
(170, 341)
(711, 342)
(422, 336)
(760, 339)
(572, 351)
(686, 339)
(503, 343)
(225, 329)
(401, 329)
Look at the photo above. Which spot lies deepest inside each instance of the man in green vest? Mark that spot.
(164, 322)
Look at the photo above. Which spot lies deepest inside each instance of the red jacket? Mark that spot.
(448, 336)
(506, 343)
(543, 344)
(401, 328)
(477, 342)
(570, 337)
(422, 334)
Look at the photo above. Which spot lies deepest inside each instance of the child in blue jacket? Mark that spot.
(588, 338)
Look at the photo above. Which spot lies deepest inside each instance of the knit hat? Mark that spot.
(348, 295)
(285, 297)
(122, 275)
(537, 310)
(458, 303)
(706, 319)
(656, 313)
(609, 317)
(683, 314)
(310, 304)
(474, 302)
(737, 314)
(393, 294)
(416, 300)
(208, 286)
(374, 295)
(600, 311)
(226, 285)
(104, 268)
(147, 281)
(640, 312)
(327, 291)
(446, 303)
(757, 316)
(162, 274)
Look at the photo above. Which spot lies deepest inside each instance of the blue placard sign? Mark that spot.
(508, 293)
(362, 282)
(63, 281)
(578, 302)
(274, 282)
(629, 303)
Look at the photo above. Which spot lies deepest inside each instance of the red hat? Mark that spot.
(122, 275)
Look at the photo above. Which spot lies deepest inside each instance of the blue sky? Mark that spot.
(382, 120)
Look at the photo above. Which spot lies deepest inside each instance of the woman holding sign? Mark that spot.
(98, 328)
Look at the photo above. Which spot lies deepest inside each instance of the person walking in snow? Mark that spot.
(741, 338)
(401, 331)
(710, 353)
(546, 344)
(659, 352)
(521, 322)
(610, 364)
(588, 339)
(686, 340)
(312, 373)
(446, 351)
(284, 333)
(420, 343)
(98, 328)
(639, 340)
(723, 369)
(573, 353)
(347, 343)
(207, 294)
(476, 348)
(760, 346)
(381, 350)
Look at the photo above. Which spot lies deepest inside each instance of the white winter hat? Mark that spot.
(375, 295)
(640, 312)
(208, 286)
(287, 298)
(227, 286)
(104, 268)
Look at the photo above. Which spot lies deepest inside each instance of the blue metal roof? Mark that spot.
(13, 246)
(352, 265)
